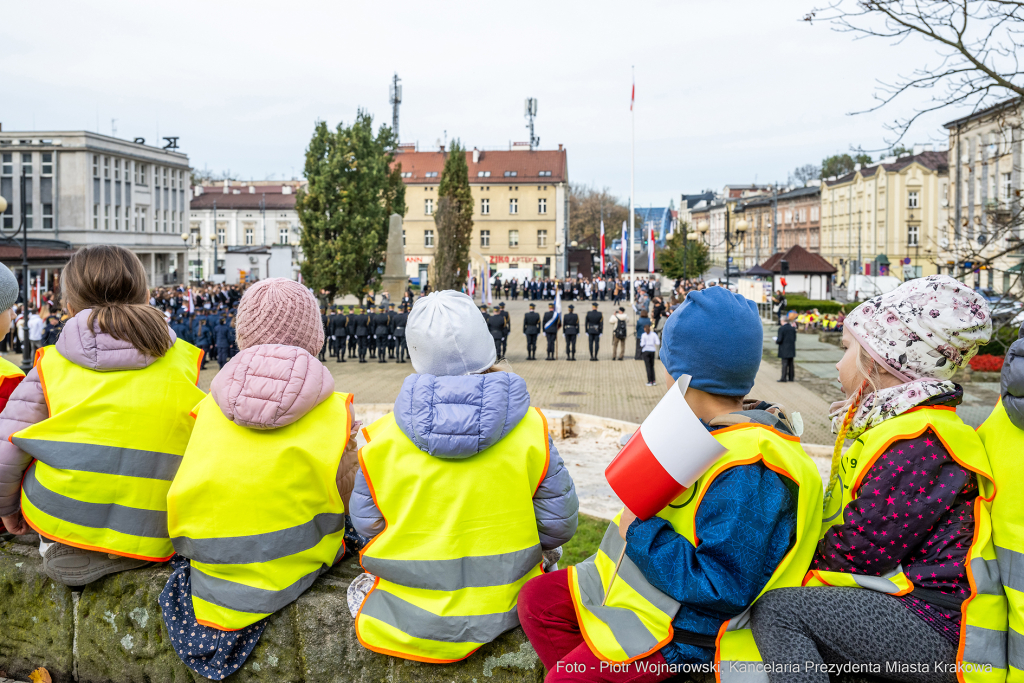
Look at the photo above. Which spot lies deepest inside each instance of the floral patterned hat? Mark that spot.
(925, 328)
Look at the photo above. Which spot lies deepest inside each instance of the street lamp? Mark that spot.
(187, 264)
(741, 229)
(26, 347)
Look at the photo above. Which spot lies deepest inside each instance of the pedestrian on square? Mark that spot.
(401, 320)
(531, 328)
(649, 343)
(905, 567)
(551, 323)
(266, 457)
(506, 330)
(595, 326)
(619, 322)
(203, 341)
(222, 338)
(571, 329)
(36, 329)
(462, 491)
(641, 322)
(63, 462)
(496, 328)
(786, 340)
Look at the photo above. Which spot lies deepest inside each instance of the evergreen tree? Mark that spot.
(683, 258)
(454, 221)
(353, 190)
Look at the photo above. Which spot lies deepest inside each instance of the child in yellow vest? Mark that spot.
(93, 436)
(904, 570)
(256, 511)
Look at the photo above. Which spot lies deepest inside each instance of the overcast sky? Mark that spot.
(727, 92)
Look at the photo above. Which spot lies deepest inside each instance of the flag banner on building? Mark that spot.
(558, 312)
(602, 247)
(664, 457)
(625, 248)
(650, 250)
(485, 283)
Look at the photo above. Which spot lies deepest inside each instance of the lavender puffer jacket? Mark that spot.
(1012, 381)
(457, 417)
(27, 406)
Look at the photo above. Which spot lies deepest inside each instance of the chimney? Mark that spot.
(286, 189)
(476, 156)
(559, 146)
(252, 189)
(227, 184)
(442, 149)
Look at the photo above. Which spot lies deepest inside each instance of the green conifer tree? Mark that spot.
(454, 221)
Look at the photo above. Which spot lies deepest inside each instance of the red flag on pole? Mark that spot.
(602, 248)
(632, 96)
(664, 457)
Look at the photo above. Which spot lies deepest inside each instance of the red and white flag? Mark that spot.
(625, 246)
(664, 457)
(632, 96)
(191, 302)
(650, 249)
(602, 247)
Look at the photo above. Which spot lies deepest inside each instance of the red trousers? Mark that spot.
(547, 615)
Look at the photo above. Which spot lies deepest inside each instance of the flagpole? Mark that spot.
(632, 205)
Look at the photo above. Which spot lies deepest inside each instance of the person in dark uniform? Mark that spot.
(350, 327)
(362, 332)
(391, 331)
(508, 328)
(381, 330)
(570, 328)
(595, 324)
(531, 328)
(399, 322)
(550, 326)
(483, 312)
(339, 333)
(222, 339)
(325, 320)
(496, 326)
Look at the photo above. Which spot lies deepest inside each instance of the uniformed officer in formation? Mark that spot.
(551, 331)
(570, 328)
(594, 323)
(399, 323)
(496, 326)
(362, 332)
(350, 327)
(339, 334)
(325, 321)
(506, 329)
(531, 328)
(391, 331)
(381, 331)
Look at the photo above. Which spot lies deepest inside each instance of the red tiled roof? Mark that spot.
(526, 164)
(274, 198)
(11, 253)
(800, 261)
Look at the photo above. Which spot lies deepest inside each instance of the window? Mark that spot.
(117, 215)
(1007, 186)
(165, 220)
(428, 238)
(511, 174)
(156, 176)
(8, 164)
(403, 238)
(428, 207)
(28, 216)
(26, 164)
(248, 236)
(221, 235)
(912, 200)
(483, 174)
(787, 217)
(545, 174)
(407, 174)
(513, 205)
(542, 205)
(912, 231)
(814, 214)
(47, 165)
(513, 238)
(142, 219)
(174, 222)
(485, 206)
(117, 169)
(432, 174)
(140, 174)
(106, 216)
(135, 223)
(106, 167)
(283, 234)
(542, 238)
(485, 238)
(164, 183)
(95, 216)
(95, 165)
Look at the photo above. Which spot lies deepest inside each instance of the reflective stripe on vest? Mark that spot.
(1004, 444)
(637, 617)
(460, 541)
(983, 629)
(106, 455)
(256, 548)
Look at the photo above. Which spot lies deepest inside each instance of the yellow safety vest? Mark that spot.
(983, 622)
(258, 511)
(460, 541)
(1005, 446)
(636, 619)
(107, 453)
(9, 369)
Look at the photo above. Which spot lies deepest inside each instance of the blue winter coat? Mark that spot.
(456, 418)
(745, 523)
(222, 335)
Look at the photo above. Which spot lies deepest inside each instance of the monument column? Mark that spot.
(395, 278)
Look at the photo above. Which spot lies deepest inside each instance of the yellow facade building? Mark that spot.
(520, 217)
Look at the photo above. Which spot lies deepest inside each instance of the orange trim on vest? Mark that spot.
(42, 380)
(373, 495)
(83, 546)
(547, 451)
(961, 646)
(199, 365)
(718, 650)
(748, 425)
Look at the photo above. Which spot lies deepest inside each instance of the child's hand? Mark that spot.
(627, 519)
(16, 524)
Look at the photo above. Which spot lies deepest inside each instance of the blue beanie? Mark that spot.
(716, 337)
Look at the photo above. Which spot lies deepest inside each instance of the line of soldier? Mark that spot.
(534, 325)
(359, 330)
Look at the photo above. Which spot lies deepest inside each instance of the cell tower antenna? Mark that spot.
(531, 111)
(395, 99)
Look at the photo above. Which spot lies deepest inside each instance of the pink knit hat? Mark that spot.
(279, 311)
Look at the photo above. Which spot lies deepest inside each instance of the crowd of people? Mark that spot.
(458, 503)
